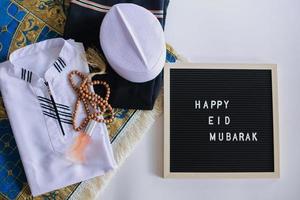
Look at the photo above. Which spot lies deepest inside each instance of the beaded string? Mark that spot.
(99, 105)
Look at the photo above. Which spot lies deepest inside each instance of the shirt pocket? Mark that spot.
(58, 122)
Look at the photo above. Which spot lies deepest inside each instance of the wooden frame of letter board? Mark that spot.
(168, 174)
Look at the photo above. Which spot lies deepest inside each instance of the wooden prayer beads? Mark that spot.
(99, 105)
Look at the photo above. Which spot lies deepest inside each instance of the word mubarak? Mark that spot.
(233, 137)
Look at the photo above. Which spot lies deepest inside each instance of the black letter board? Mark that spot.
(221, 121)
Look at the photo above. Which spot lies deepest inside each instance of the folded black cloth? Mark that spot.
(125, 94)
(83, 24)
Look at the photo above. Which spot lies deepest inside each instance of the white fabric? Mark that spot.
(133, 42)
(39, 138)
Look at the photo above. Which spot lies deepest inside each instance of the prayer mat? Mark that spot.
(23, 22)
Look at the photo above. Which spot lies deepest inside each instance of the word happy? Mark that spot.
(212, 104)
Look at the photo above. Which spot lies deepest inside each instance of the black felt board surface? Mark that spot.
(249, 92)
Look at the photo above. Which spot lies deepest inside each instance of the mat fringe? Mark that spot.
(122, 147)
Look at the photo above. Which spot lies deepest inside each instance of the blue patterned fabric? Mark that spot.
(12, 176)
(24, 22)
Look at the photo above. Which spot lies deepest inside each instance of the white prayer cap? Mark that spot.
(133, 42)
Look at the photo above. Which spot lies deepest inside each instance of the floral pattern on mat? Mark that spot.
(24, 22)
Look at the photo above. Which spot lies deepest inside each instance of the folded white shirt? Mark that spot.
(43, 135)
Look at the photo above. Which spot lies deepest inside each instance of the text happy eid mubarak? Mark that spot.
(225, 136)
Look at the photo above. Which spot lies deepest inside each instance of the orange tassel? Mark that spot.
(77, 151)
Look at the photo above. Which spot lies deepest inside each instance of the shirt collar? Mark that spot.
(54, 70)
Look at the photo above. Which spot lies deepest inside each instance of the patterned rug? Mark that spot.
(23, 22)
